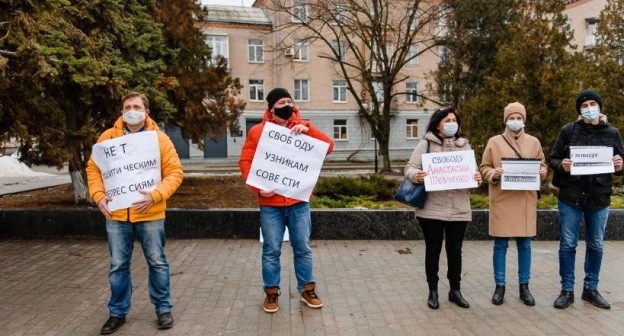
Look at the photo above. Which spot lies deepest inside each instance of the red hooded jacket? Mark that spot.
(251, 143)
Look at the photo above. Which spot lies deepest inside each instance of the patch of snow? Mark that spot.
(11, 167)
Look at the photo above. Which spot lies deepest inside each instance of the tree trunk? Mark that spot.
(80, 187)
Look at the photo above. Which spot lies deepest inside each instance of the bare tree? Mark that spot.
(369, 42)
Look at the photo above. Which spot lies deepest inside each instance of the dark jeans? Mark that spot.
(434, 231)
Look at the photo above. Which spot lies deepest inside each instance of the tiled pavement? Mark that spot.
(59, 287)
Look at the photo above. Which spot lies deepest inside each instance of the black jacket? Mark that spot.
(593, 191)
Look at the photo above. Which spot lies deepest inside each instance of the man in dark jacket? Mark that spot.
(583, 196)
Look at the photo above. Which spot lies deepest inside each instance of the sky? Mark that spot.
(247, 3)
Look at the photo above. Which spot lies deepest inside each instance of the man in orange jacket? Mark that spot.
(278, 212)
(144, 221)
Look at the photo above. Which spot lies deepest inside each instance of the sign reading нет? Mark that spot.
(286, 163)
(128, 164)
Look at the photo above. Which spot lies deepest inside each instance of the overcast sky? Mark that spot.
(228, 2)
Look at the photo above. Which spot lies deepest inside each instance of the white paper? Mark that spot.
(449, 170)
(286, 163)
(521, 174)
(128, 164)
(589, 160)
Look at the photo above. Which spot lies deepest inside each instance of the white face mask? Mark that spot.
(590, 113)
(515, 125)
(450, 128)
(133, 117)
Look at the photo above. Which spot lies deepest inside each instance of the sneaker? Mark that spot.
(270, 304)
(309, 297)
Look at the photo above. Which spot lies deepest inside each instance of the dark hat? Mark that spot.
(585, 96)
(277, 94)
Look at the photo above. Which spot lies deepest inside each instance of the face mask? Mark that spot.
(283, 112)
(133, 117)
(590, 113)
(515, 125)
(450, 128)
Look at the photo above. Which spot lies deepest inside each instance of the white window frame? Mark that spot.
(302, 90)
(219, 44)
(379, 91)
(340, 130)
(411, 129)
(258, 86)
(299, 11)
(411, 93)
(341, 47)
(255, 50)
(339, 91)
(339, 13)
(413, 52)
(443, 54)
(301, 51)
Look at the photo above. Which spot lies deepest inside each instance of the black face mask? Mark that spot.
(283, 112)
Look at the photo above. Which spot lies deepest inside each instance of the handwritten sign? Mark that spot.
(520, 174)
(286, 163)
(128, 164)
(588, 160)
(449, 170)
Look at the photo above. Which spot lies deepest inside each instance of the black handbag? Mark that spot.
(410, 193)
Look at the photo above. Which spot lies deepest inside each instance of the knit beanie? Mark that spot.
(585, 96)
(275, 95)
(514, 108)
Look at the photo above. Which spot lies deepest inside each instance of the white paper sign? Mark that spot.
(449, 170)
(520, 174)
(286, 163)
(128, 164)
(589, 160)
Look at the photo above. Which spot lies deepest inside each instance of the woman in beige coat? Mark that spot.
(513, 213)
(446, 212)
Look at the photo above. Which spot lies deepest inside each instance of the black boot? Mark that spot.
(595, 298)
(526, 296)
(432, 300)
(455, 296)
(499, 295)
(565, 299)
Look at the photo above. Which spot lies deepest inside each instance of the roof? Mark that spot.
(237, 14)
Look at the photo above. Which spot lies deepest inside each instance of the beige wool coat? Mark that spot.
(446, 205)
(513, 213)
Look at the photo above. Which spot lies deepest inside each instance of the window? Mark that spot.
(444, 55)
(299, 10)
(256, 89)
(340, 129)
(219, 46)
(301, 90)
(592, 31)
(301, 50)
(256, 51)
(379, 91)
(340, 91)
(340, 48)
(412, 54)
(443, 20)
(411, 25)
(377, 67)
(411, 92)
(338, 12)
(411, 129)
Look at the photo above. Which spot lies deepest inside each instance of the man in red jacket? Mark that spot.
(278, 212)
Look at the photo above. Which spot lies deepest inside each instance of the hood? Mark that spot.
(601, 117)
(459, 142)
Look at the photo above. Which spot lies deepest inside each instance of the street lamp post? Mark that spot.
(376, 161)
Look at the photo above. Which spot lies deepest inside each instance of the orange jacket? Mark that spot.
(170, 169)
(249, 150)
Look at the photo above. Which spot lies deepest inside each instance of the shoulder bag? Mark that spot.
(413, 194)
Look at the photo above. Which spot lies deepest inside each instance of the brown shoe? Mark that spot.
(308, 296)
(270, 304)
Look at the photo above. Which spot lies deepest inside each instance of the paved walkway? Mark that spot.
(59, 287)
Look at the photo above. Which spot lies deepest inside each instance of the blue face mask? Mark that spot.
(515, 125)
(590, 113)
(450, 128)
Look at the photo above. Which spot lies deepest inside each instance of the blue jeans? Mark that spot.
(499, 256)
(273, 223)
(151, 235)
(570, 224)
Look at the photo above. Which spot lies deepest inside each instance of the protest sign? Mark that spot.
(449, 170)
(286, 163)
(520, 174)
(588, 160)
(128, 164)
